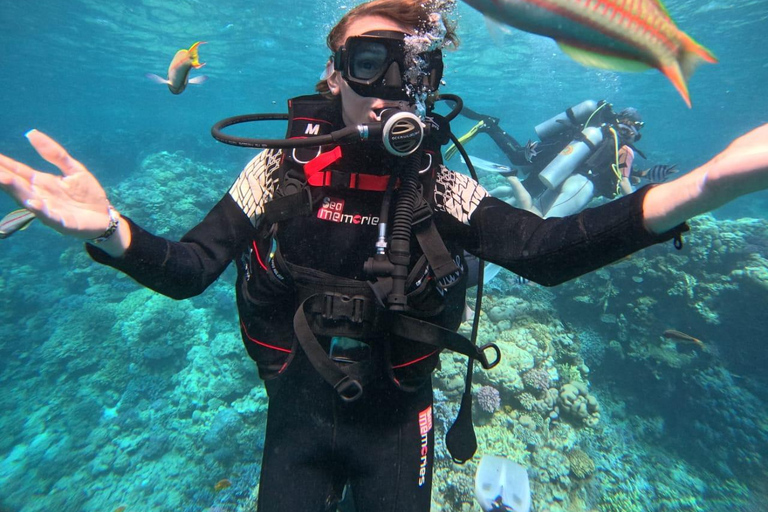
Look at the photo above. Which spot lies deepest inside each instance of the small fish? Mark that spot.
(178, 71)
(658, 173)
(530, 150)
(491, 271)
(222, 484)
(678, 336)
(121, 508)
(491, 167)
(468, 315)
(17, 220)
(625, 35)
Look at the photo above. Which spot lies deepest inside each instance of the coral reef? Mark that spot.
(581, 464)
(575, 400)
(489, 399)
(656, 447)
(606, 413)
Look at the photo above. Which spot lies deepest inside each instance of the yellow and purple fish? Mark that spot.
(624, 35)
(15, 221)
(178, 71)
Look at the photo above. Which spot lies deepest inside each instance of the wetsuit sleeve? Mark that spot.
(552, 251)
(186, 268)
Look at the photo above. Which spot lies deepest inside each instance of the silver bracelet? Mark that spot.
(114, 220)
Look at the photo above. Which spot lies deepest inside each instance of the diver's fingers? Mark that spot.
(54, 153)
(31, 184)
(18, 188)
(6, 178)
(11, 166)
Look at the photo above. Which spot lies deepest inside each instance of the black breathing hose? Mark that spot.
(400, 246)
(347, 134)
(456, 109)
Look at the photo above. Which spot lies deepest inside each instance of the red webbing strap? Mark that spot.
(368, 182)
(318, 176)
(313, 168)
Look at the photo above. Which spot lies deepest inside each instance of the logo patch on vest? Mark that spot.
(332, 209)
(425, 425)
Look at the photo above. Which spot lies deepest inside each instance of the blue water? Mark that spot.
(111, 396)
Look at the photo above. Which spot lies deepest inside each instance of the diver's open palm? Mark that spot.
(73, 204)
(742, 167)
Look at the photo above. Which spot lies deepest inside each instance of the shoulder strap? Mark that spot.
(445, 269)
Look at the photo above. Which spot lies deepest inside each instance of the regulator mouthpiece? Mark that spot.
(401, 132)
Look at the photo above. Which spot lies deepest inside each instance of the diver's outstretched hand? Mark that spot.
(740, 169)
(73, 204)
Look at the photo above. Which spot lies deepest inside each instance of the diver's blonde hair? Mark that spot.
(411, 13)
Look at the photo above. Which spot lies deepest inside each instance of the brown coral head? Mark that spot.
(582, 465)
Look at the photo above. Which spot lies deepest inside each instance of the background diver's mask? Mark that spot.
(378, 64)
(630, 130)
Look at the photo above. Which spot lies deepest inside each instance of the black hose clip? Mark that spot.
(484, 360)
(349, 389)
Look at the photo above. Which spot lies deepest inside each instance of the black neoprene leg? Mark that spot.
(393, 456)
(299, 471)
(382, 443)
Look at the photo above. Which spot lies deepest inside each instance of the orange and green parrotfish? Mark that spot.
(178, 72)
(623, 35)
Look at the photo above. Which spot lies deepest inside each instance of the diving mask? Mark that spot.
(379, 64)
(630, 130)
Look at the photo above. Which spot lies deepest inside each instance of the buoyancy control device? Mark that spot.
(590, 124)
(335, 307)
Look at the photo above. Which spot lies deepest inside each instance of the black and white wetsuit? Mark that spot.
(382, 444)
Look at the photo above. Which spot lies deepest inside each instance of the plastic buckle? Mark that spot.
(337, 306)
(421, 213)
(484, 360)
(349, 389)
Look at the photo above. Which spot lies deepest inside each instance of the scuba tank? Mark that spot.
(570, 118)
(571, 157)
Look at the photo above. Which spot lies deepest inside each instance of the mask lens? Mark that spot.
(627, 131)
(377, 64)
(367, 60)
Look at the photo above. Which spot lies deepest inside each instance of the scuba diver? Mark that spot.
(348, 238)
(596, 161)
(585, 152)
